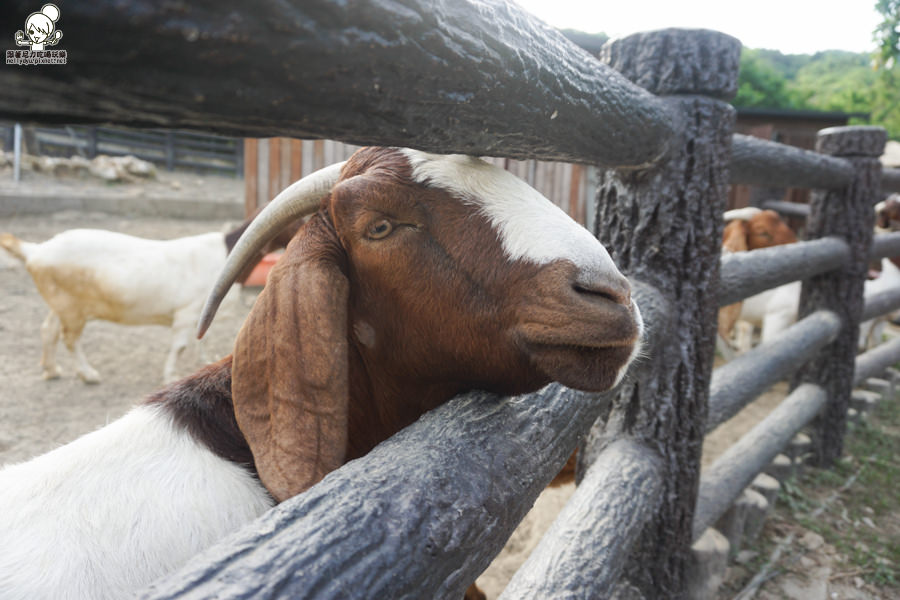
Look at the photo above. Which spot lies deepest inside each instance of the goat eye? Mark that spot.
(380, 229)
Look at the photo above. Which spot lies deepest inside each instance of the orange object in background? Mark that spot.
(261, 271)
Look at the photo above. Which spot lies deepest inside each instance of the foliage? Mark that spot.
(761, 83)
(887, 34)
(832, 80)
(887, 56)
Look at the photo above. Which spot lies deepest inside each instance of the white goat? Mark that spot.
(419, 277)
(86, 274)
(776, 309)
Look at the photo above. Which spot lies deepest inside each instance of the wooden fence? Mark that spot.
(167, 148)
(425, 512)
(270, 165)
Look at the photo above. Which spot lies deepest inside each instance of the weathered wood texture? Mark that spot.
(741, 380)
(478, 77)
(741, 463)
(847, 213)
(744, 274)
(770, 164)
(583, 552)
(664, 227)
(421, 516)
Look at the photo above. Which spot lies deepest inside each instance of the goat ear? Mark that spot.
(289, 377)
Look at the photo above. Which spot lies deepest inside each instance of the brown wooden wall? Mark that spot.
(271, 164)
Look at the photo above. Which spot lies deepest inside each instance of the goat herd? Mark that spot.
(415, 277)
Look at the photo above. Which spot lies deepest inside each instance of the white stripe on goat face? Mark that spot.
(531, 227)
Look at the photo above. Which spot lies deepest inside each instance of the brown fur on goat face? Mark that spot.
(394, 297)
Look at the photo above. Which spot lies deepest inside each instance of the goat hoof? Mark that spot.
(91, 376)
(53, 373)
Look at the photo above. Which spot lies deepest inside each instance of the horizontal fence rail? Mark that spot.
(733, 471)
(890, 181)
(166, 148)
(885, 245)
(769, 164)
(481, 71)
(585, 549)
(744, 274)
(790, 209)
(875, 361)
(426, 531)
(738, 382)
(881, 303)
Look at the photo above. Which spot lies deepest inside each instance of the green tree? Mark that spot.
(760, 84)
(887, 34)
(835, 80)
(886, 109)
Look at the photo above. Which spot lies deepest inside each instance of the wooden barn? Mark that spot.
(271, 164)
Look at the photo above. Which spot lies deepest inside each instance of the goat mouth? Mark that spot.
(583, 367)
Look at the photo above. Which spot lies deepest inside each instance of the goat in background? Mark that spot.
(748, 229)
(87, 274)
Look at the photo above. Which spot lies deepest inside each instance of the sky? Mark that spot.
(791, 26)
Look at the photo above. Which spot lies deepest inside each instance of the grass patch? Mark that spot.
(862, 522)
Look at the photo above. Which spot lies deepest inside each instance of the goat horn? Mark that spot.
(300, 198)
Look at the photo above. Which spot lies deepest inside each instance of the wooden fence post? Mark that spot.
(664, 228)
(849, 214)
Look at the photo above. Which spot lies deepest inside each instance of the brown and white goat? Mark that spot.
(748, 229)
(417, 278)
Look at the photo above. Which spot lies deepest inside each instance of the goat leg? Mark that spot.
(49, 338)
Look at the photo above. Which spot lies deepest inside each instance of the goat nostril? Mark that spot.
(613, 289)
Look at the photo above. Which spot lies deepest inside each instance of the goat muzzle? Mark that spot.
(581, 329)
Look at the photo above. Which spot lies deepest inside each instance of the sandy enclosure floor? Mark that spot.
(38, 415)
